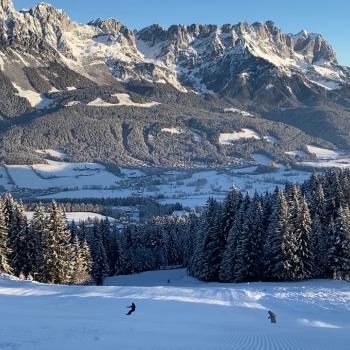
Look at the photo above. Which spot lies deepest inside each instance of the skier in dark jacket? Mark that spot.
(272, 317)
(132, 308)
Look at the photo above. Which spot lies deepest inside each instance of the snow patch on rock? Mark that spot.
(172, 130)
(35, 99)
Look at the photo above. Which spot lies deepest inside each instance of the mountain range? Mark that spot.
(165, 97)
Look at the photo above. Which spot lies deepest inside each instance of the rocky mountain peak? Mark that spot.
(6, 7)
(47, 15)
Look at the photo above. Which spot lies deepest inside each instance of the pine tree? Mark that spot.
(9, 209)
(339, 254)
(17, 240)
(36, 242)
(248, 263)
(100, 267)
(116, 257)
(192, 228)
(4, 250)
(226, 273)
(319, 247)
(229, 211)
(58, 248)
(305, 241)
(212, 248)
(80, 273)
(280, 246)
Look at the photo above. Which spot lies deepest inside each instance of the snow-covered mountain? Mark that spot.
(49, 63)
(205, 58)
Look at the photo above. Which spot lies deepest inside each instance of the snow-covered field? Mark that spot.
(322, 153)
(59, 179)
(184, 314)
(124, 100)
(78, 216)
(229, 137)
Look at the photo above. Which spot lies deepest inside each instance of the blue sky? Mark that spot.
(329, 18)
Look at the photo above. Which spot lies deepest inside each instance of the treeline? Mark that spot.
(42, 249)
(300, 232)
(48, 249)
(147, 207)
(297, 233)
(293, 234)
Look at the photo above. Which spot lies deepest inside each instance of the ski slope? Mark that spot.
(183, 314)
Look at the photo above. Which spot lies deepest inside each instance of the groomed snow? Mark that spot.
(228, 138)
(181, 315)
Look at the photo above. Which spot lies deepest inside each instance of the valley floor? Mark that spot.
(183, 314)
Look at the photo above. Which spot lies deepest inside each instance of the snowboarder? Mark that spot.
(272, 317)
(132, 308)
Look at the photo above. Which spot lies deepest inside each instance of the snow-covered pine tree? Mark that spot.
(226, 273)
(248, 263)
(73, 229)
(339, 253)
(305, 242)
(58, 254)
(152, 253)
(80, 272)
(319, 247)
(82, 231)
(334, 195)
(37, 241)
(127, 245)
(197, 260)
(105, 229)
(9, 209)
(100, 267)
(212, 248)
(229, 210)
(18, 230)
(295, 230)
(279, 252)
(116, 258)
(192, 228)
(4, 250)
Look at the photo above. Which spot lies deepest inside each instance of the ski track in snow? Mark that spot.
(185, 314)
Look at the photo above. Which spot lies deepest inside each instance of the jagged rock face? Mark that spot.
(240, 61)
(6, 8)
(202, 54)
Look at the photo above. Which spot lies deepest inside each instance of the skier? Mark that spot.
(132, 308)
(272, 317)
